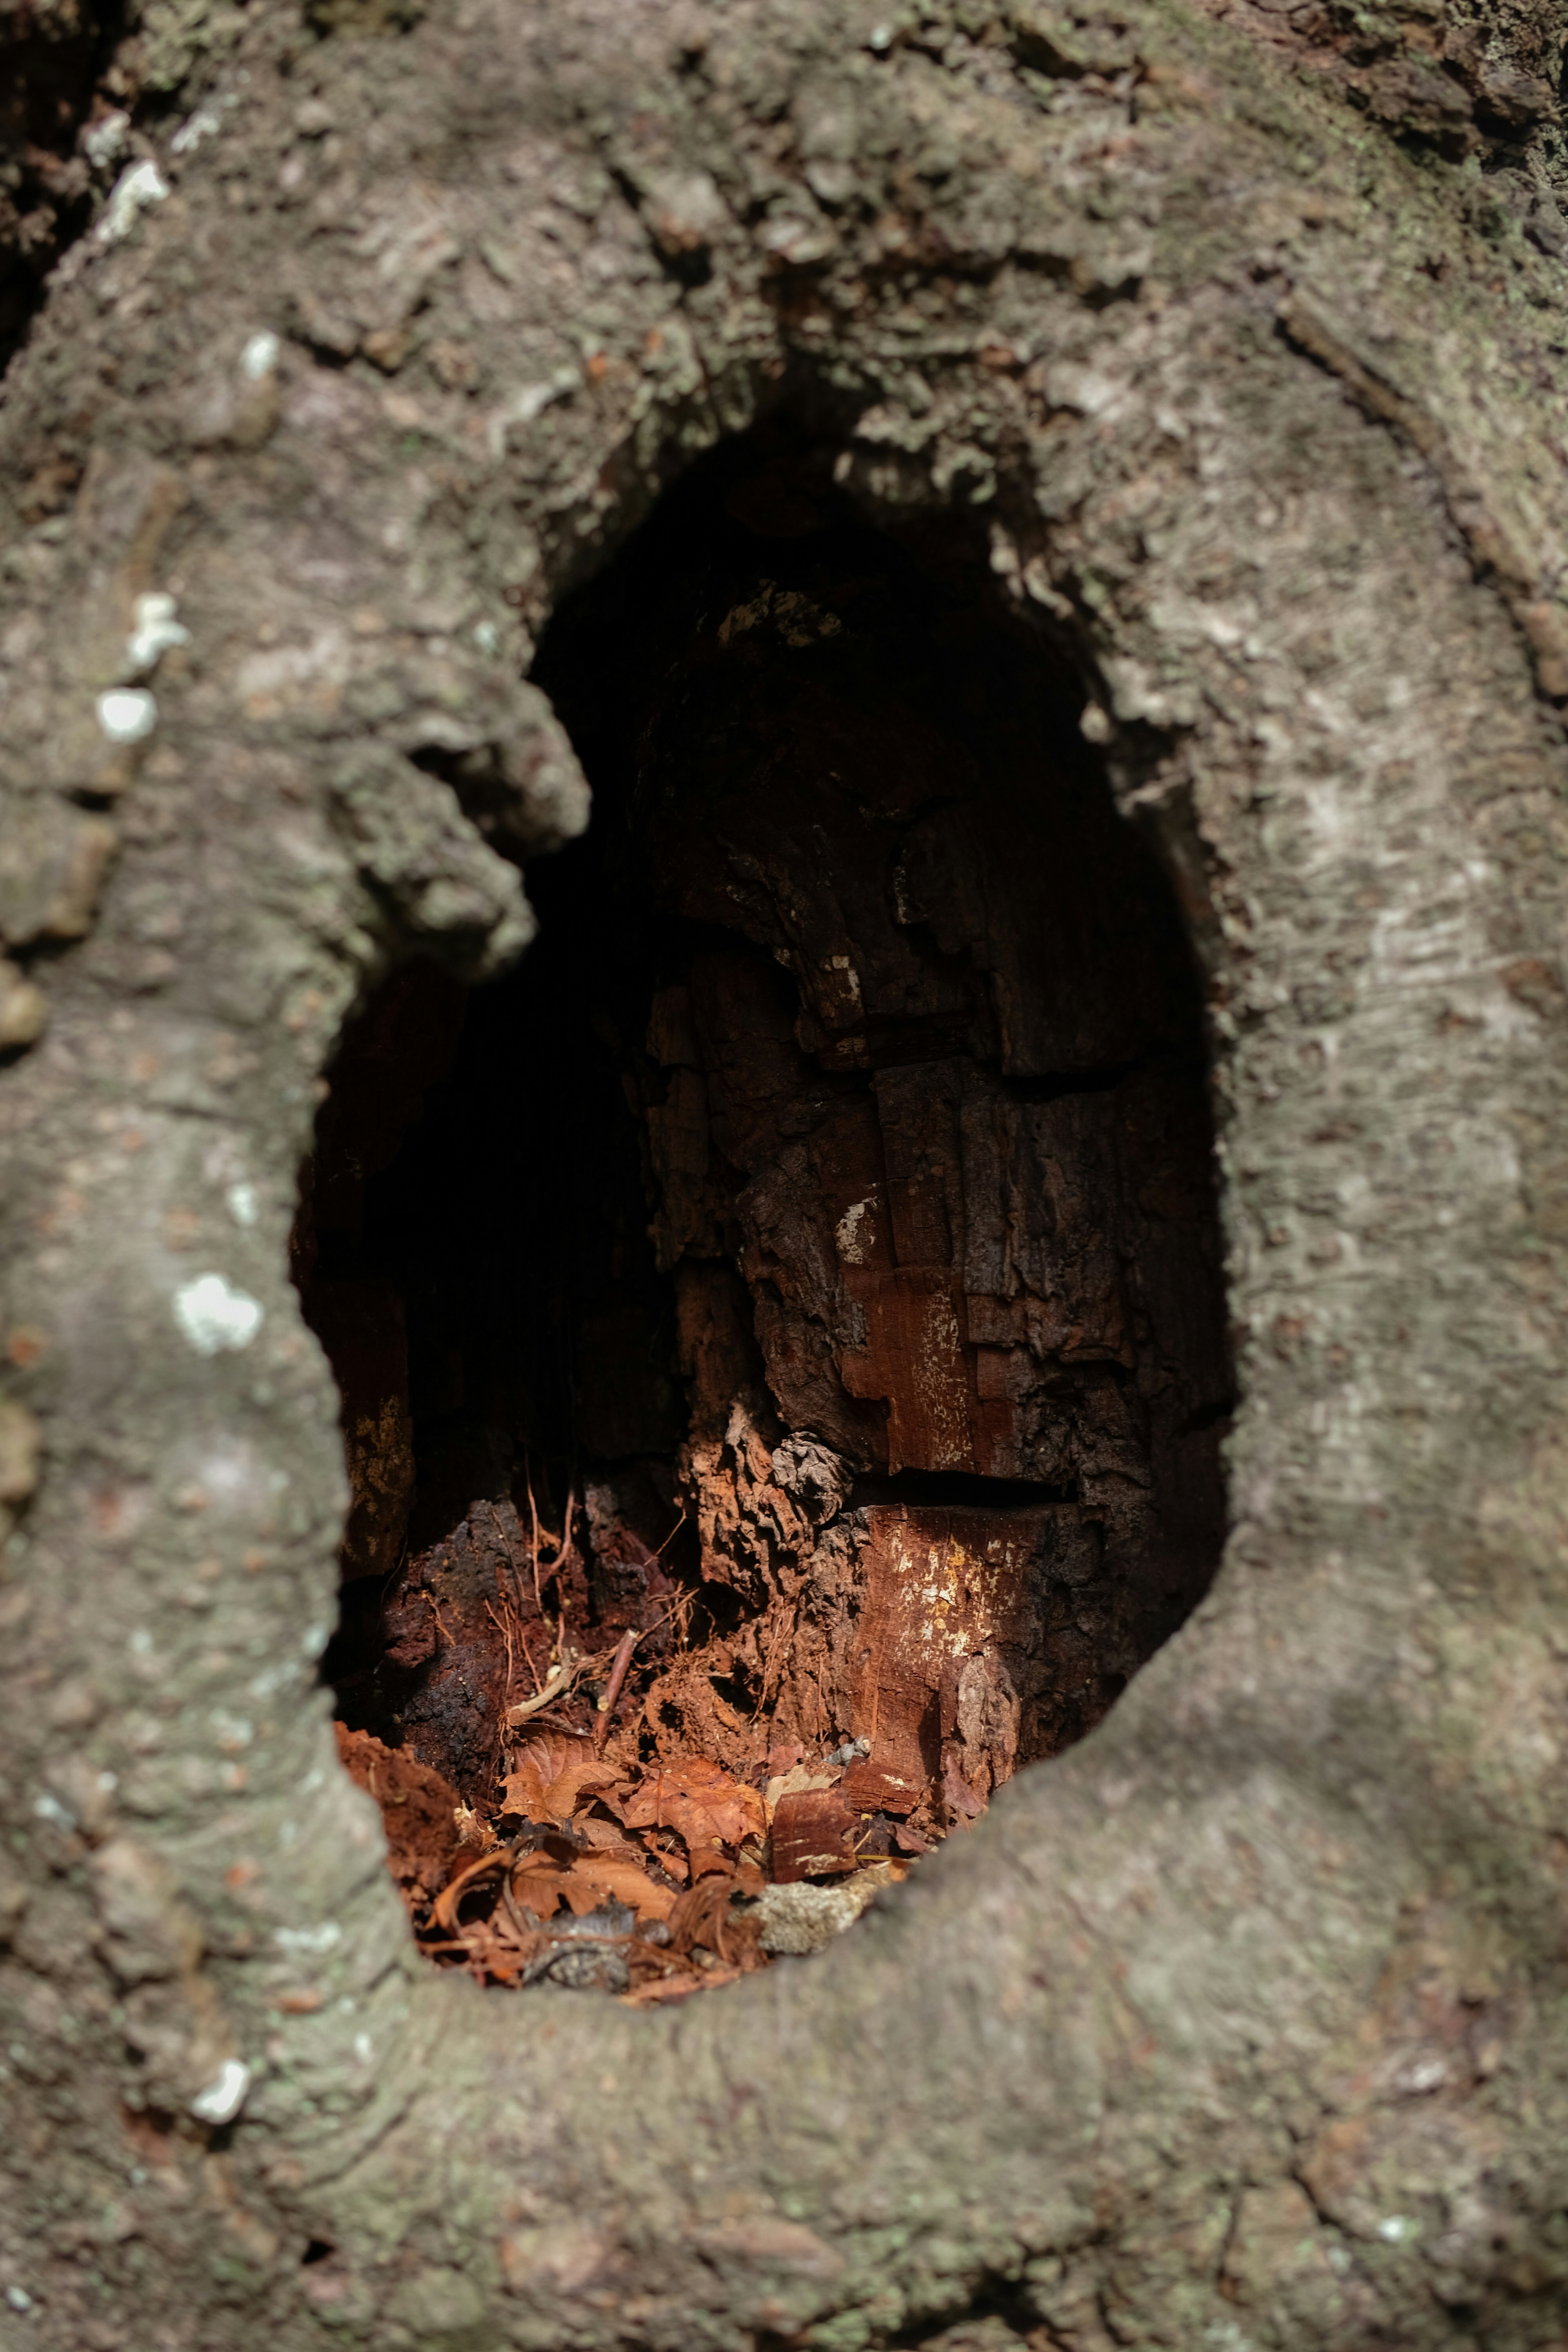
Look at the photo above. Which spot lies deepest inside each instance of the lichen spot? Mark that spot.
(215, 1317)
(103, 141)
(224, 2095)
(244, 1206)
(155, 633)
(127, 714)
(260, 356)
(852, 1242)
(142, 185)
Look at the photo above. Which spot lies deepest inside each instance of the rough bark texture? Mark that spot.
(1240, 2024)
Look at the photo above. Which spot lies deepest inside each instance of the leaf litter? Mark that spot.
(617, 1857)
(647, 1880)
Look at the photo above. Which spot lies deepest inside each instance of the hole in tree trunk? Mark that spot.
(806, 1262)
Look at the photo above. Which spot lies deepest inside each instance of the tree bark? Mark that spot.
(1237, 2023)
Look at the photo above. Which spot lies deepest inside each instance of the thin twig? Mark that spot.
(679, 1607)
(503, 1628)
(606, 1707)
(527, 1653)
(511, 1556)
(533, 1517)
(561, 1548)
(440, 1622)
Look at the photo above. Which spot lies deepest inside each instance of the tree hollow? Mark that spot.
(807, 1261)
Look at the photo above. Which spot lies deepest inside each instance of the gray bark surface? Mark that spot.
(1240, 2024)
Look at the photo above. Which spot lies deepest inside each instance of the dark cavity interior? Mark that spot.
(807, 1258)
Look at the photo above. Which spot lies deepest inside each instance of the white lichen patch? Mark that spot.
(244, 1205)
(205, 123)
(224, 2095)
(789, 238)
(155, 633)
(275, 1678)
(852, 1242)
(103, 141)
(215, 1317)
(309, 1939)
(127, 714)
(142, 185)
(259, 357)
(531, 399)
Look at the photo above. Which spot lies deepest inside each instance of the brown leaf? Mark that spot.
(667, 1851)
(606, 1837)
(698, 1799)
(586, 1881)
(702, 1916)
(584, 1778)
(533, 1767)
(551, 1777)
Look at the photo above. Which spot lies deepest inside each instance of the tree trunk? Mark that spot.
(1199, 377)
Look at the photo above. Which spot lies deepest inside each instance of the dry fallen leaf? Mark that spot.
(702, 1915)
(550, 1777)
(701, 1803)
(533, 1766)
(584, 1883)
(667, 1851)
(609, 1836)
(583, 1777)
